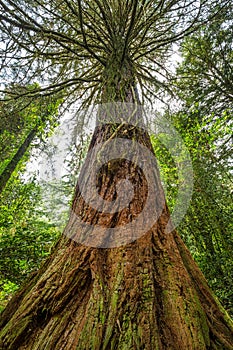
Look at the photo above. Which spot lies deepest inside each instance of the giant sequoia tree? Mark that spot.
(110, 284)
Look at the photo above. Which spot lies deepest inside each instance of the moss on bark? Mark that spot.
(148, 294)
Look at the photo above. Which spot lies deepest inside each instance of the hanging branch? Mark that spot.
(47, 43)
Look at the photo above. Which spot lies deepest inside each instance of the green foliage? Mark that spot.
(19, 117)
(205, 76)
(207, 225)
(23, 123)
(204, 120)
(168, 169)
(88, 49)
(26, 235)
(7, 289)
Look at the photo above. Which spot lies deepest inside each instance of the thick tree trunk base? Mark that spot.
(142, 296)
(148, 294)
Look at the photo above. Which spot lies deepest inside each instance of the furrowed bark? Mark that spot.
(148, 294)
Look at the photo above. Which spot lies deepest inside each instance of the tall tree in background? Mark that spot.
(148, 293)
(21, 121)
(26, 233)
(206, 71)
(204, 84)
(207, 225)
(25, 124)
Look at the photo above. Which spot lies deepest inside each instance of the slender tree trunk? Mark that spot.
(146, 294)
(11, 166)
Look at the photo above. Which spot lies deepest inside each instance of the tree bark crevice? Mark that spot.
(147, 294)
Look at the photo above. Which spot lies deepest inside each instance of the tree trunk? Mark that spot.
(11, 166)
(147, 294)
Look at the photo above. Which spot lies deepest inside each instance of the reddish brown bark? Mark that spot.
(148, 294)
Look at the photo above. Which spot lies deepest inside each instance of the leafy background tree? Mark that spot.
(26, 232)
(203, 116)
(205, 86)
(207, 225)
(22, 121)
